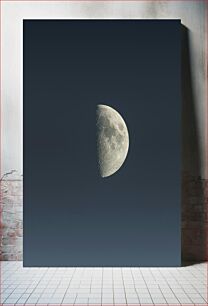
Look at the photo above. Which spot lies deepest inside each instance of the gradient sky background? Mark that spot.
(72, 216)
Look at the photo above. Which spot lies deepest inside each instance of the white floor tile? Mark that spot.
(68, 300)
(134, 286)
(132, 301)
(107, 300)
(81, 301)
(146, 301)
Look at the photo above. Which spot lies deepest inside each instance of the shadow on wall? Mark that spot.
(194, 188)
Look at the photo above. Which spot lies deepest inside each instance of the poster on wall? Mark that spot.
(102, 147)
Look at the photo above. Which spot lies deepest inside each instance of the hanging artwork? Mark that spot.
(102, 162)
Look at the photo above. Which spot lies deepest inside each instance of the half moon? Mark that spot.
(112, 140)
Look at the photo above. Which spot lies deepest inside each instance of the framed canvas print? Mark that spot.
(102, 148)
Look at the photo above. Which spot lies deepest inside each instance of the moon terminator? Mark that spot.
(112, 140)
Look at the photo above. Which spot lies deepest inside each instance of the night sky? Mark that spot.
(72, 216)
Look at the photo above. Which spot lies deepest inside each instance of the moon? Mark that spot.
(112, 140)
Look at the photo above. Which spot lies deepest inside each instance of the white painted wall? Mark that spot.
(191, 13)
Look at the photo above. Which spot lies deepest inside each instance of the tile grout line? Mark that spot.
(146, 285)
(135, 287)
(183, 288)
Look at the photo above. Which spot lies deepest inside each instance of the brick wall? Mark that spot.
(194, 229)
(11, 221)
(194, 219)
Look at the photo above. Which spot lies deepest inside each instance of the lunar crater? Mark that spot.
(112, 140)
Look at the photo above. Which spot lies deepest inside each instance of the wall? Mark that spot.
(194, 109)
(11, 220)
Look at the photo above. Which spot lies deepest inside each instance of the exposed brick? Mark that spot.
(194, 218)
(11, 220)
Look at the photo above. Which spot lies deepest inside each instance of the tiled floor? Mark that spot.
(100, 286)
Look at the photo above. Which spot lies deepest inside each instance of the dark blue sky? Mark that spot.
(72, 216)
